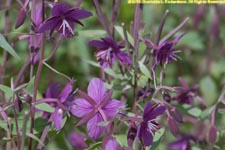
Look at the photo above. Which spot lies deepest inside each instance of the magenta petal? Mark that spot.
(111, 145)
(52, 91)
(94, 131)
(81, 107)
(66, 91)
(147, 137)
(59, 9)
(96, 89)
(147, 109)
(77, 14)
(98, 44)
(57, 118)
(112, 107)
(49, 24)
(123, 58)
(77, 140)
(155, 112)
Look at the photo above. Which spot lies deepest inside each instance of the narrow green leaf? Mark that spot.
(113, 74)
(30, 86)
(5, 45)
(45, 107)
(7, 90)
(92, 33)
(122, 139)
(119, 29)
(206, 112)
(144, 70)
(196, 112)
(95, 146)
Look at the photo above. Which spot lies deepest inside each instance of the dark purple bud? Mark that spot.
(198, 15)
(173, 125)
(77, 140)
(18, 104)
(177, 115)
(212, 134)
(131, 135)
(20, 18)
(166, 97)
(27, 98)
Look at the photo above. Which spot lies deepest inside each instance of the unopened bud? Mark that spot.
(20, 18)
(173, 125)
(131, 135)
(212, 134)
(177, 115)
(166, 97)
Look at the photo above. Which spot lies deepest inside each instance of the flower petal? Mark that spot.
(145, 136)
(49, 24)
(66, 91)
(96, 89)
(155, 112)
(57, 118)
(147, 109)
(98, 44)
(77, 14)
(112, 107)
(81, 107)
(59, 9)
(123, 58)
(52, 91)
(94, 131)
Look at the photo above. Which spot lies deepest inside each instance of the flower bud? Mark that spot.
(20, 18)
(173, 125)
(166, 97)
(177, 115)
(212, 134)
(131, 135)
(18, 104)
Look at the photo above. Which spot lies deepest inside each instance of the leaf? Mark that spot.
(103, 123)
(95, 145)
(122, 139)
(92, 33)
(5, 45)
(159, 134)
(30, 86)
(45, 107)
(206, 112)
(7, 90)
(144, 70)
(208, 89)
(113, 74)
(196, 112)
(35, 138)
(119, 29)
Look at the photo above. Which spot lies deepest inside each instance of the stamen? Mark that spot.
(65, 25)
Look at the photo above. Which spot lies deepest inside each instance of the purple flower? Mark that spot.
(63, 19)
(149, 126)
(65, 99)
(97, 106)
(111, 144)
(165, 52)
(183, 143)
(184, 93)
(77, 140)
(107, 51)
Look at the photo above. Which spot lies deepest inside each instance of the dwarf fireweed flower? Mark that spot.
(149, 126)
(63, 19)
(165, 52)
(183, 143)
(96, 106)
(64, 97)
(107, 51)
